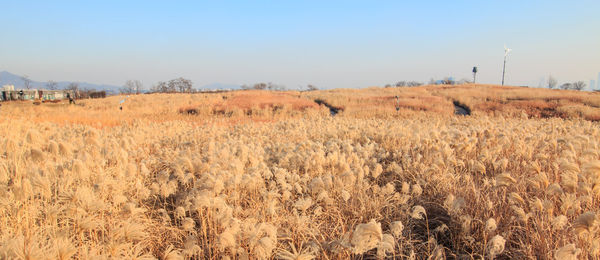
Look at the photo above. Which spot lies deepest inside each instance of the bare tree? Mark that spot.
(74, 88)
(154, 88)
(51, 85)
(566, 86)
(269, 86)
(578, 85)
(181, 85)
(414, 84)
(160, 87)
(448, 81)
(26, 81)
(312, 87)
(137, 86)
(551, 82)
(273, 86)
(174, 85)
(126, 90)
(260, 86)
(132, 87)
(401, 84)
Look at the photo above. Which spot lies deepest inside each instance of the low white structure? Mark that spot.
(33, 94)
(53, 94)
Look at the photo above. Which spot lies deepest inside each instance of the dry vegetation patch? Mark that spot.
(534, 102)
(382, 102)
(254, 103)
(338, 187)
(482, 99)
(149, 182)
(254, 100)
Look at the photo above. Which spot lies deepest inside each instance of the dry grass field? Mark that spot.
(272, 175)
(481, 99)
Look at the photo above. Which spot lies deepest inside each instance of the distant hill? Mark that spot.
(7, 78)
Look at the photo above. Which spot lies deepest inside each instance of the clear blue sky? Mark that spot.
(330, 44)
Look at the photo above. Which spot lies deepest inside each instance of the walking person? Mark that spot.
(71, 100)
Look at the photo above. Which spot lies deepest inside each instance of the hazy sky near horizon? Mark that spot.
(330, 44)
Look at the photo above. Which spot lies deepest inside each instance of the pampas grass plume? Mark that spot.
(567, 252)
(53, 147)
(188, 224)
(366, 236)
(417, 190)
(396, 228)
(490, 225)
(496, 246)
(64, 149)
(418, 212)
(505, 179)
(586, 222)
(37, 155)
(559, 222)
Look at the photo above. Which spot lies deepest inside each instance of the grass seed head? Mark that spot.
(586, 223)
(418, 212)
(37, 155)
(559, 222)
(366, 236)
(496, 246)
(396, 228)
(490, 225)
(567, 252)
(505, 179)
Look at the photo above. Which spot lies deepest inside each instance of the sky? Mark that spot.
(330, 44)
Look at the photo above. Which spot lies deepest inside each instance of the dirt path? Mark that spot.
(332, 109)
(461, 109)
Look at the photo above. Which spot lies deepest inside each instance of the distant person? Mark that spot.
(71, 100)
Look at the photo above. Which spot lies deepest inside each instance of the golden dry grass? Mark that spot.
(261, 103)
(150, 182)
(481, 99)
(265, 99)
(209, 109)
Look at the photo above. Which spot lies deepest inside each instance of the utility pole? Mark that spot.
(506, 51)
(503, 68)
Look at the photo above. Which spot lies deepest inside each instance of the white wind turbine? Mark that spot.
(506, 51)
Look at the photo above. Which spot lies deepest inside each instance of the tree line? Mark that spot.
(405, 84)
(577, 85)
(178, 85)
(265, 86)
(182, 85)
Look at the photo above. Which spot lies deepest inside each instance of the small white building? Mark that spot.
(53, 94)
(34, 94)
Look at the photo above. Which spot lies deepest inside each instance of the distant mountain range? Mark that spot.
(7, 78)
